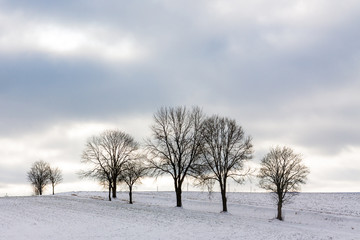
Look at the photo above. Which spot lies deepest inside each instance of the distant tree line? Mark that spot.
(184, 143)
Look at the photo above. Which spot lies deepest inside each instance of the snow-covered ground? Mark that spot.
(87, 215)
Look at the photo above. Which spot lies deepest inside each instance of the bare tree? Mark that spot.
(133, 171)
(38, 176)
(107, 154)
(55, 177)
(225, 150)
(282, 173)
(99, 167)
(176, 143)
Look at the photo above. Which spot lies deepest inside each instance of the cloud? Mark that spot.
(45, 92)
(287, 71)
(65, 40)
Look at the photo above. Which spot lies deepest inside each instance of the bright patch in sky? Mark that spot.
(20, 35)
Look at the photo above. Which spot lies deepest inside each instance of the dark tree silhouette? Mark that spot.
(107, 154)
(38, 176)
(225, 150)
(282, 173)
(175, 147)
(55, 177)
(133, 171)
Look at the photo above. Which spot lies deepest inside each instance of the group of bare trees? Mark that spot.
(113, 157)
(41, 174)
(184, 143)
(187, 143)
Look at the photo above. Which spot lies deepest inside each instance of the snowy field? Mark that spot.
(87, 215)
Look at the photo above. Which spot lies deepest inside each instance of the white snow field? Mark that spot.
(87, 215)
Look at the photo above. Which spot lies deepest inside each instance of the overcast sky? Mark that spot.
(287, 71)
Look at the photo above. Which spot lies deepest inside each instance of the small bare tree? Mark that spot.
(132, 173)
(107, 154)
(176, 143)
(55, 177)
(38, 176)
(225, 150)
(282, 173)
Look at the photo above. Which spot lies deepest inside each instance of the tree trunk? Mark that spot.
(223, 194)
(53, 188)
(223, 198)
(130, 195)
(279, 214)
(114, 190)
(109, 192)
(178, 193)
(178, 197)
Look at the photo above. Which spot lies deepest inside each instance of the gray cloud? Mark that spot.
(288, 72)
(42, 91)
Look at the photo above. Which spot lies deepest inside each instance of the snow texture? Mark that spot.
(88, 215)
